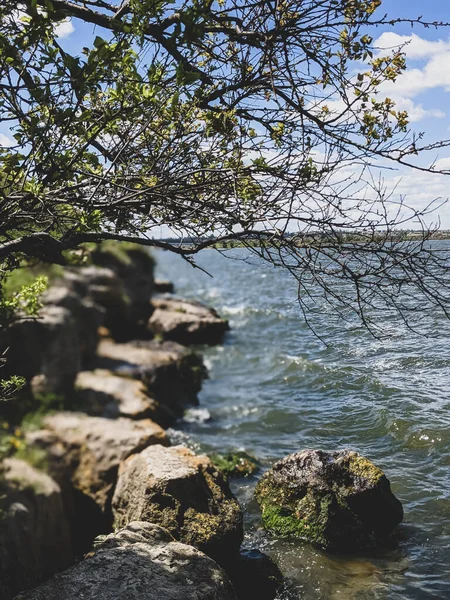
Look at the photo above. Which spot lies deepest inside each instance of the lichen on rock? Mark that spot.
(338, 500)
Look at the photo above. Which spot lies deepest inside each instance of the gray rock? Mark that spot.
(34, 533)
(171, 373)
(102, 393)
(338, 500)
(140, 562)
(182, 492)
(186, 322)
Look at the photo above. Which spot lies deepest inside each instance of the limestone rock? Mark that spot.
(171, 373)
(105, 394)
(88, 450)
(338, 500)
(186, 322)
(105, 288)
(140, 562)
(182, 492)
(34, 534)
(48, 346)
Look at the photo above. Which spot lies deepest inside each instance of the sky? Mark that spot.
(423, 91)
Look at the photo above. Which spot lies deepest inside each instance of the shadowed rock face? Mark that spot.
(183, 493)
(140, 562)
(338, 500)
(186, 322)
(34, 534)
(172, 374)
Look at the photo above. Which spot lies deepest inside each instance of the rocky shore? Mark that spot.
(96, 503)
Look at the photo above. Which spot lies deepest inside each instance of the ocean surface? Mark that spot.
(274, 389)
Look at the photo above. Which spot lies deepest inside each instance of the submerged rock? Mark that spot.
(338, 500)
(254, 575)
(34, 533)
(186, 322)
(235, 464)
(171, 373)
(140, 562)
(182, 492)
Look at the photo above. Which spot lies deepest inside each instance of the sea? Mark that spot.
(275, 388)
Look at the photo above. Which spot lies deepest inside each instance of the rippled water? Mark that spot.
(275, 389)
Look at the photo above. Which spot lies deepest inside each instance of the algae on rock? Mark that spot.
(338, 500)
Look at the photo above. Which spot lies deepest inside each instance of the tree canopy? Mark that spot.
(217, 120)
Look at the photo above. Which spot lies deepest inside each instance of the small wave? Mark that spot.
(197, 415)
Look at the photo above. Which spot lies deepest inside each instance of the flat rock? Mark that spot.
(338, 500)
(186, 322)
(34, 533)
(105, 394)
(182, 492)
(140, 562)
(171, 373)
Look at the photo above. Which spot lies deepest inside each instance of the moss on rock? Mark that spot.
(235, 464)
(338, 500)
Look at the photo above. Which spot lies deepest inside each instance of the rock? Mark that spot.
(83, 457)
(48, 346)
(182, 492)
(254, 575)
(171, 373)
(338, 500)
(101, 393)
(186, 322)
(235, 464)
(134, 266)
(34, 534)
(162, 286)
(140, 562)
(87, 314)
(105, 288)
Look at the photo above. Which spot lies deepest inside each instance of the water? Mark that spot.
(274, 389)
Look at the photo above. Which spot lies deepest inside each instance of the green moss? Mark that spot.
(235, 464)
(36, 457)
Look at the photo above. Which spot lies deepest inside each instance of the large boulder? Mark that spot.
(140, 562)
(186, 322)
(34, 534)
(171, 373)
(83, 456)
(338, 500)
(102, 393)
(182, 492)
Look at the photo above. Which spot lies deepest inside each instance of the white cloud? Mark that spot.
(414, 46)
(64, 29)
(6, 141)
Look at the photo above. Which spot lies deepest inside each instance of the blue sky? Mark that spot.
(423, 90)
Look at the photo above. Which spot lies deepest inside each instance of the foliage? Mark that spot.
(215, 120)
